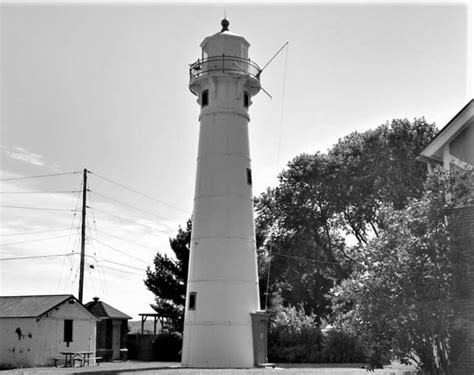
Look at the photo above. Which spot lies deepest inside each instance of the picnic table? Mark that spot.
(81, 357)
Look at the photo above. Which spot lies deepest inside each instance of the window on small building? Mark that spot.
(205, 98)
(249, 176)
(67, 331)
(246, 99)
(192, 301)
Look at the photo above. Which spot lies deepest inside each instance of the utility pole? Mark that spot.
(83, 236)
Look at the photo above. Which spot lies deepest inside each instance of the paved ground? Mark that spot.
(173, 368)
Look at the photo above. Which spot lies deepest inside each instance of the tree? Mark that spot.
(399, 298)
(322, 198)
(168, 280)
(378, 167)
(294, 336)
(305, 250)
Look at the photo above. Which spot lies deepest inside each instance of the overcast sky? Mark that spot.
(105, 87)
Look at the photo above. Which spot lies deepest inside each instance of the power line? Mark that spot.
(67, 255)
(101, 271)
(38, 256)
(137, 192)
(75, 277)
(91, 277)
(44, 256)
(123, 239)
(28, 233)
(130, 221)
(280, 132)
(63, 265)
(40, 192)
(116, 269)
(39, 176)
(121, 264)
(71, 260)
(95, 246)
(128, 205)
(36, 240)
(305, 259)
(119, 251)
(38, 208)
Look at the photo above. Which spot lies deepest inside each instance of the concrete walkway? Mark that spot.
(173, 368)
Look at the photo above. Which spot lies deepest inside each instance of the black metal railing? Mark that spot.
(224, 64)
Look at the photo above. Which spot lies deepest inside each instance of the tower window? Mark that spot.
(205, 98)
(246, 99)
(192, 301)
(249, 176)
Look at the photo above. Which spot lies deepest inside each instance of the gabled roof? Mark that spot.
(433, 152)
(105, 311)
(32, 306)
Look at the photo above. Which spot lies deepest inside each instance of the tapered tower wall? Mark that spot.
(222, 289)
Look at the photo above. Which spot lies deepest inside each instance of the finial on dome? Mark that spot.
(225, 25)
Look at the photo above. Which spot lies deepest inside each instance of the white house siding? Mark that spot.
(51, 338)
(18, 338)
(43, 338)
(462, 147)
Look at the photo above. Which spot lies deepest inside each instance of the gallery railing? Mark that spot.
(223, 64)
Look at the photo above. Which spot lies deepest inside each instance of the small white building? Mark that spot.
(35, 329)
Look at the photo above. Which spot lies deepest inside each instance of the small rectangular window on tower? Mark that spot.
(192, 301)
(249, 176)
(205, 98)
(246, 99)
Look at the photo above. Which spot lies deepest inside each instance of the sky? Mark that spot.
(104, 86)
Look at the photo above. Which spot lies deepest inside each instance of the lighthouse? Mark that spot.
(222, 294)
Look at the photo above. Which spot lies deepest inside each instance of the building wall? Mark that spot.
(42, 339)
(462, 146)
(51, 338)
(18, 343)
(101, 334)
(463, 251)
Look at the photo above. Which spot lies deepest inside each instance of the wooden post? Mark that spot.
(83, 237)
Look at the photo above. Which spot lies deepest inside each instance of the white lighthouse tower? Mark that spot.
(222, 290)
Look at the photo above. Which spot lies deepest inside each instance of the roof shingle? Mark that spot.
(103, 310)
(29, 306)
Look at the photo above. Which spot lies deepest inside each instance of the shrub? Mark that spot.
(167, 346)
(294, 336)
(342, 347)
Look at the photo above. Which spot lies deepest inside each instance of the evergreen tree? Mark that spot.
(168, 280)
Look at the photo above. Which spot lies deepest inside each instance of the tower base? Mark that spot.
(218, 346)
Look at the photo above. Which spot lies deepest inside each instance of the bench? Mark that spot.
(56, 360)
(76, 359)
(266, 365)
(80, 361)
(97, 360)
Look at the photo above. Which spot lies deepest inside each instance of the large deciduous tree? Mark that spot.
(399, 298)
(323, 198)
(378, 167)
(168, 280)
(305, 250)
